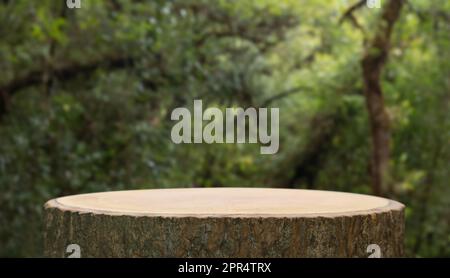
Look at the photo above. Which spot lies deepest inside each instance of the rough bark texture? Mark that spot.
(334, 235)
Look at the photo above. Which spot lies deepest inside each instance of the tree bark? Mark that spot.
(105, 233)
(373, 61)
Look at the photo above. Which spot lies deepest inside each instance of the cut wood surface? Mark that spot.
(224, 222)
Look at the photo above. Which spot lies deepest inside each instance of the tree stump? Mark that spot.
(224, 222)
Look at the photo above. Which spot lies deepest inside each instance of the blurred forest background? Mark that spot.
(86, 96)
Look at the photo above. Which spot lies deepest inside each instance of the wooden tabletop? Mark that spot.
(224, 202)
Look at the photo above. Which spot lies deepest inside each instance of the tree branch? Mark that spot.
(64, 72)
(286, 93)
(348, 15)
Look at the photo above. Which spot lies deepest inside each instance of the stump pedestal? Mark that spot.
(224, 222)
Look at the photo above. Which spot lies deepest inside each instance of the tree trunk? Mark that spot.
(372, 64)
(224, 222)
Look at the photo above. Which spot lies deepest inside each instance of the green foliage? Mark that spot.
(101, 82)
